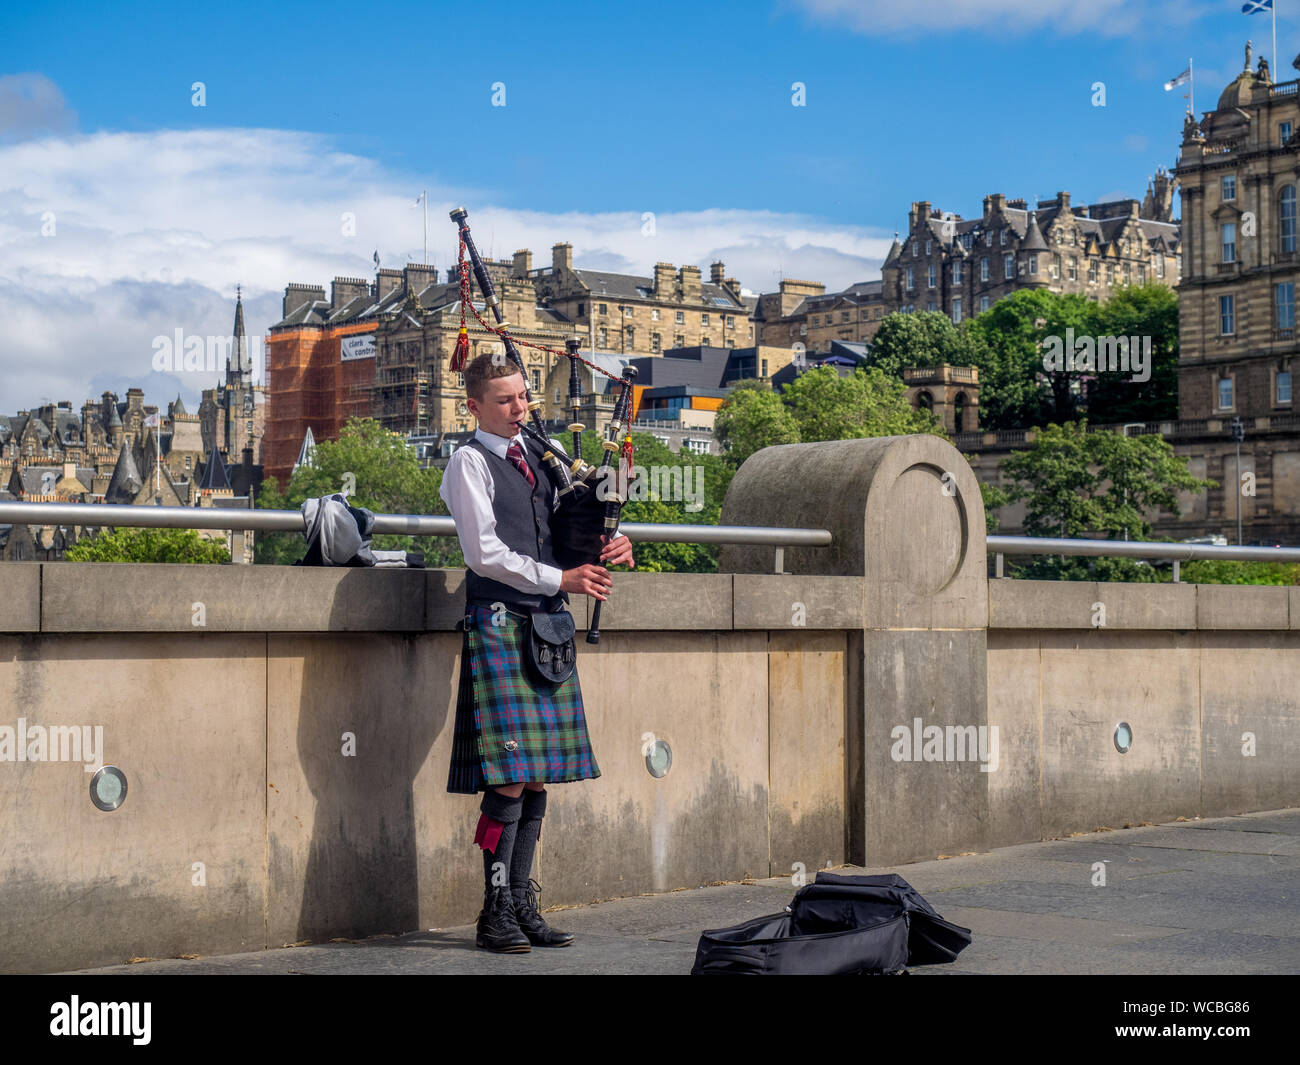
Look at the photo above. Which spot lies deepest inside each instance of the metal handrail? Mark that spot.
(221, 518)
(1033, 545)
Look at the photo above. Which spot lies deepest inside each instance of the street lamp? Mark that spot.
(1238, 434)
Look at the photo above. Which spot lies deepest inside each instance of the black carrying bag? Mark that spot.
(836, 925)
(551, 649)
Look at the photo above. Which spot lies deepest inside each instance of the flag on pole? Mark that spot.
(1256, 7)
(152, 421)
(418, 199)
(1182, 78)
(376, 258)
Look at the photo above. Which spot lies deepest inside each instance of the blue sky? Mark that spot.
(611, 111)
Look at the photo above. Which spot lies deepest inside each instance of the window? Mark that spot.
(705, 342)
(681, 318)
(956, 311)
(1284, 301)
(844, 316)
(911, 279)
(630, 333)
(1073, 268)
(679, 341)
(1283, 133)
(1002, 237)
(1228, 187)
(537, 380)
(603, 309)
(1160, 264)
(1092, 273)
(913, 249)
(557, 395)
(1229, 241)
(763, 372)
(931, 276)
(956, 272)
(966, 240)
(984, 304)
(582, 309)
(1286, 215)
(602, 337)
(1142, 273)
(1033, 262)
(1056, 268)
(984, 268)
(704, 319)
(1225, 393)
(928, 243)
(930, 306)
(655, 342)
(731, 321)
(699, 447)
(654, 314)
(1227, 314)
(460, 380)
(1284, 386)
(1008, 266)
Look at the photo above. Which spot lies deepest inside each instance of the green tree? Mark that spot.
(1096, 485)
(926, 338)
(752, 419)
(1149, 310)
(149, 545)
(827, 406)
(384, 476)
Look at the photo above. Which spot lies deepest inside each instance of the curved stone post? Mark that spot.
(907, 518)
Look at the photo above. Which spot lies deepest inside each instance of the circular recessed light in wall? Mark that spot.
(1123, 737)
(108, 788)
(660, 759)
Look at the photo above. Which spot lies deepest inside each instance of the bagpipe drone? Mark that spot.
(591, 498)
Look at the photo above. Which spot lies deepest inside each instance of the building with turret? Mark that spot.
(963, 266)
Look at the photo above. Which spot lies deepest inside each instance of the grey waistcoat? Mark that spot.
(523, 523)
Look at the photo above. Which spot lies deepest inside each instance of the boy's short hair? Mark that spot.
(485, 368)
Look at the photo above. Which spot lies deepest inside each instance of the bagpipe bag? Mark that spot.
(834, 926)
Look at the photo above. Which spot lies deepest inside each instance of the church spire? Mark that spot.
(239, 369)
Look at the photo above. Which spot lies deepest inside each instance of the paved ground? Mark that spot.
(1219, 896)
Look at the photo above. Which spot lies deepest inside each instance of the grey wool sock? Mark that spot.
(506, 810)
(530, 829)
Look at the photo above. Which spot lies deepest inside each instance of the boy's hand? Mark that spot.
(618, 553)
(589, 580)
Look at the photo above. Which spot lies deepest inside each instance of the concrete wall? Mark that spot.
(781, 695)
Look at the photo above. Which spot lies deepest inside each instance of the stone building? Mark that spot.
(413, 322)
(963, 266)
(127, 452)
(803, 312)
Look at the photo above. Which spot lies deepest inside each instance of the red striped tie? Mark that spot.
(516, 455)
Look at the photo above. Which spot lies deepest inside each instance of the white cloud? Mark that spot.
(152, 231)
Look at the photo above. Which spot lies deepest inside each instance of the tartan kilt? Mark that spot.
(498, 703)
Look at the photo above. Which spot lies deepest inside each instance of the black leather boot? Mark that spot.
(539, 933)
(498, 930)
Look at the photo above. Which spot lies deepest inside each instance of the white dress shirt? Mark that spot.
(468, 490)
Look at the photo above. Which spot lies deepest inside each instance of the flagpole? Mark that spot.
(1273, 11)
(425, 194)
(1191, 88)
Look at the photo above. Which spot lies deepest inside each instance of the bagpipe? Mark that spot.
(591, 498)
